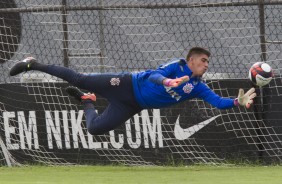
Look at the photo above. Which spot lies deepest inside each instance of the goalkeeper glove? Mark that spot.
(245, 99)
(176, 82)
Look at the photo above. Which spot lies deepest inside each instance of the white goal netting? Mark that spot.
(40, 123)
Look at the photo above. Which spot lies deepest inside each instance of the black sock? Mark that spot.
(38, 66)
(88, 104)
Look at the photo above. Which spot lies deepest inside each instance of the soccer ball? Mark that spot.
(261, 74)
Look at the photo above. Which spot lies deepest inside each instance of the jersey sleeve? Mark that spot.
(164, 71)
(215, 100)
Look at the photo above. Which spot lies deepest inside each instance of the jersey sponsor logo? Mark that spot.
(182, 134)
(172, 93)
(188, 88)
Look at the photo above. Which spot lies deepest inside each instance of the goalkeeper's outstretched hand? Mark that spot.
(176, 82)
(247, 98)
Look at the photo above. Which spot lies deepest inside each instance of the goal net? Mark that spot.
(40, 123)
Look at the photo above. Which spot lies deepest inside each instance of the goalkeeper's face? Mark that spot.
(199, 64)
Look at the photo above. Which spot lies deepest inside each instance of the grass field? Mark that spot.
(125, 175)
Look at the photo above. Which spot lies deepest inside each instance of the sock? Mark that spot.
(88, 104)
(38, 66)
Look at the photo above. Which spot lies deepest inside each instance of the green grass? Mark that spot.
(126, 175)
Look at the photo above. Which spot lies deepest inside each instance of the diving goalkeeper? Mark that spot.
(129, 93)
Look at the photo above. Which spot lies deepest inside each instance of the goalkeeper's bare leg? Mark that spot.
(117, 88)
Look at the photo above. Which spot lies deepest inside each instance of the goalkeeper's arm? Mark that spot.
(225, 103)
(158, 78)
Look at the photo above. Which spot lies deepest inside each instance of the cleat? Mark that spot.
(22, 66)
(79, 95)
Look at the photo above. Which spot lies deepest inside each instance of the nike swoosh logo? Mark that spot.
(182, 134)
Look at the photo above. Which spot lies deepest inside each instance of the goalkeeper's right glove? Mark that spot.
(245, 99)
(176, 82)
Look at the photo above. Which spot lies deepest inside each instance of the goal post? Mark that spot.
(40, 123)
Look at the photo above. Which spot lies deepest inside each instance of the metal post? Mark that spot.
(65, 34)
(262, 30)
(260, 110)
(101, 38)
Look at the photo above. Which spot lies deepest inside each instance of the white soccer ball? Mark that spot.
(261, 74)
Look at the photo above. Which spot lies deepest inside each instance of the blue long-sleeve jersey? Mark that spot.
(151, 93)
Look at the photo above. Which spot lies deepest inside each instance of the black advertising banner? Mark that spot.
(40, 119)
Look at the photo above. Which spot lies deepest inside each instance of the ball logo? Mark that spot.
(188, 88)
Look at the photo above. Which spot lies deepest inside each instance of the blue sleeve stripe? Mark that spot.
(169, 63)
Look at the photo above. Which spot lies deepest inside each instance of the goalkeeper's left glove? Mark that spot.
(245, 99)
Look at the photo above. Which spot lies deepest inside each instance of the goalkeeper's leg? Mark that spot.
(113, 116)
(98, 83)
(61, 72)
(118, 111)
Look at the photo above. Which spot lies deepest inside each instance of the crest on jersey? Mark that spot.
(188, 88)
(115, 81)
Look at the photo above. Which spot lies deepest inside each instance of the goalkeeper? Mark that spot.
(129, 93)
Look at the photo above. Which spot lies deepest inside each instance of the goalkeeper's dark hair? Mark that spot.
(197, 50)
